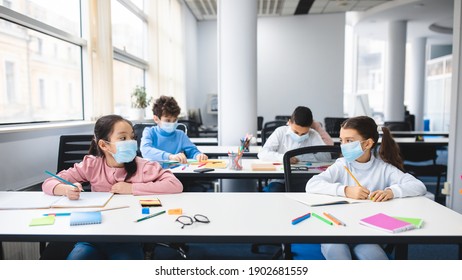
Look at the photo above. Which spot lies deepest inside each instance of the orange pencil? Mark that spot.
(351, 174)
(333, 219)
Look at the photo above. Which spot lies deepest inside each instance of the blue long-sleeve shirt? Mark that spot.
(158, 145)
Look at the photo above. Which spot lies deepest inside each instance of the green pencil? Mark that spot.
(150, 216)
(322, 219)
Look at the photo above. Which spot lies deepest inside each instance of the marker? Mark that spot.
(184, 167)
(150, 216)
(301, 218)
(202, 164)
(333, 219)
(322, 219)
(61, 179)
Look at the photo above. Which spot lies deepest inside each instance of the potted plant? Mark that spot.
(140, 101)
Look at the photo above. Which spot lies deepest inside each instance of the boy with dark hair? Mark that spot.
(296, 134)
(164, 142)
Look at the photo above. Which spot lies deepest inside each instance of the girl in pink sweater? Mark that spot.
(113, 166)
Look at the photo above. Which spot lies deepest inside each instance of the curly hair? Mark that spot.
(166, 106)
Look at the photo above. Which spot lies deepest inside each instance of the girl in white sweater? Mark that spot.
(381, 178)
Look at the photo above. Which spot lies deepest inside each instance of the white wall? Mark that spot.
(25, 155)
(300, 62)
(190, 33)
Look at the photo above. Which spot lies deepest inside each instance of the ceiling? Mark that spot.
(207, 9)
(426, 18)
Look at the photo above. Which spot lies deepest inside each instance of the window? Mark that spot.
(39, 61)
(129, 35)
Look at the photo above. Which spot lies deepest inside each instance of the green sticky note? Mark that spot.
(43, 221)
(417, 222)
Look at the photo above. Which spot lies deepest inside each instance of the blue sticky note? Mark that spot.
(145, 210)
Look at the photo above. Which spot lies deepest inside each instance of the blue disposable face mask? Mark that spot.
(125, 151)
(352, 151)
(168, 127)
(298, 138)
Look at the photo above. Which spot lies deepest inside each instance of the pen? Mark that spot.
(57, 214)
(150, 216)
(322, 219)
(100, 210)
(184, 167)
(301, 218)
(175, 166)
(61, 179)
(351, 174)
(333, 219)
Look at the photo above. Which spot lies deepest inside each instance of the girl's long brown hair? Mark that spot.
(367, 128)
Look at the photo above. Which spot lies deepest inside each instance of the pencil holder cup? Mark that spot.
(235, 162)
(246, 148)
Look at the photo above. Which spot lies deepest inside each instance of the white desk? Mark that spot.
(222, 151)
(212, 141)
(240, 218)
(225, 173)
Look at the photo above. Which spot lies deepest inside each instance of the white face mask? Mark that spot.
(168, 127)
(298, 138)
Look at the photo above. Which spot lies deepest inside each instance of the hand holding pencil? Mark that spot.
(358, 191)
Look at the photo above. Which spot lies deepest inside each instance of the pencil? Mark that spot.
(150, 216)
(333, 219)
(61, 179)
(351, 174)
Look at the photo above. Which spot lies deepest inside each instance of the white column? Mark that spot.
(417, 80)
(237, 70)
(454, 199)
(394, 87)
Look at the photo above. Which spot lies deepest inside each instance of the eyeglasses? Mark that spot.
(187, 220)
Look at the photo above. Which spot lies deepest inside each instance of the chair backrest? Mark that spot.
(138, 128)
(398, 126)
(282, 118)
(192, 128)
(259, 123)
(269, 128)
(312, 158)
(72, 149)
(332, 125)
(195, 116)
(419, 153)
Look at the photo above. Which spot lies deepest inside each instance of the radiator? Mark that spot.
(21, 250)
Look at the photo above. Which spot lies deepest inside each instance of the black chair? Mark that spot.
(332, 125)
(420, 160)
(259, 123)
(138, 130)
(269, 128)
(398, 126)
(297, 175)
(192, 127)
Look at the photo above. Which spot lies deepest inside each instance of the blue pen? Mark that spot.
(175, 166)
(57, 214)
(61, 179)
(301, 218)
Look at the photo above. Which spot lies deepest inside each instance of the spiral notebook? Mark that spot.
(85, 218)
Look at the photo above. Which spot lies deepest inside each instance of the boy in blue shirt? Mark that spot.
(164, 142)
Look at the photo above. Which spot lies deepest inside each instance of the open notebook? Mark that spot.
(34, 200)
(313, 200)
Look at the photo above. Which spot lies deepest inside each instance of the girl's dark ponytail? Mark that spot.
(389, 150)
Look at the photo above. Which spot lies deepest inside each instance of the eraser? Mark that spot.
(176, 211)
(150, 202)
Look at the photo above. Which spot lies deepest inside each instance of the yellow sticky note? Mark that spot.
(176, 211)
(43, 221)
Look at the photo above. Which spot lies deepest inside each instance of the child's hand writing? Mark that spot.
(382, 195)
(122, 188)
(202, 157)
(180, 157)
(294, 160)
(356, 192)
(71, 192)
